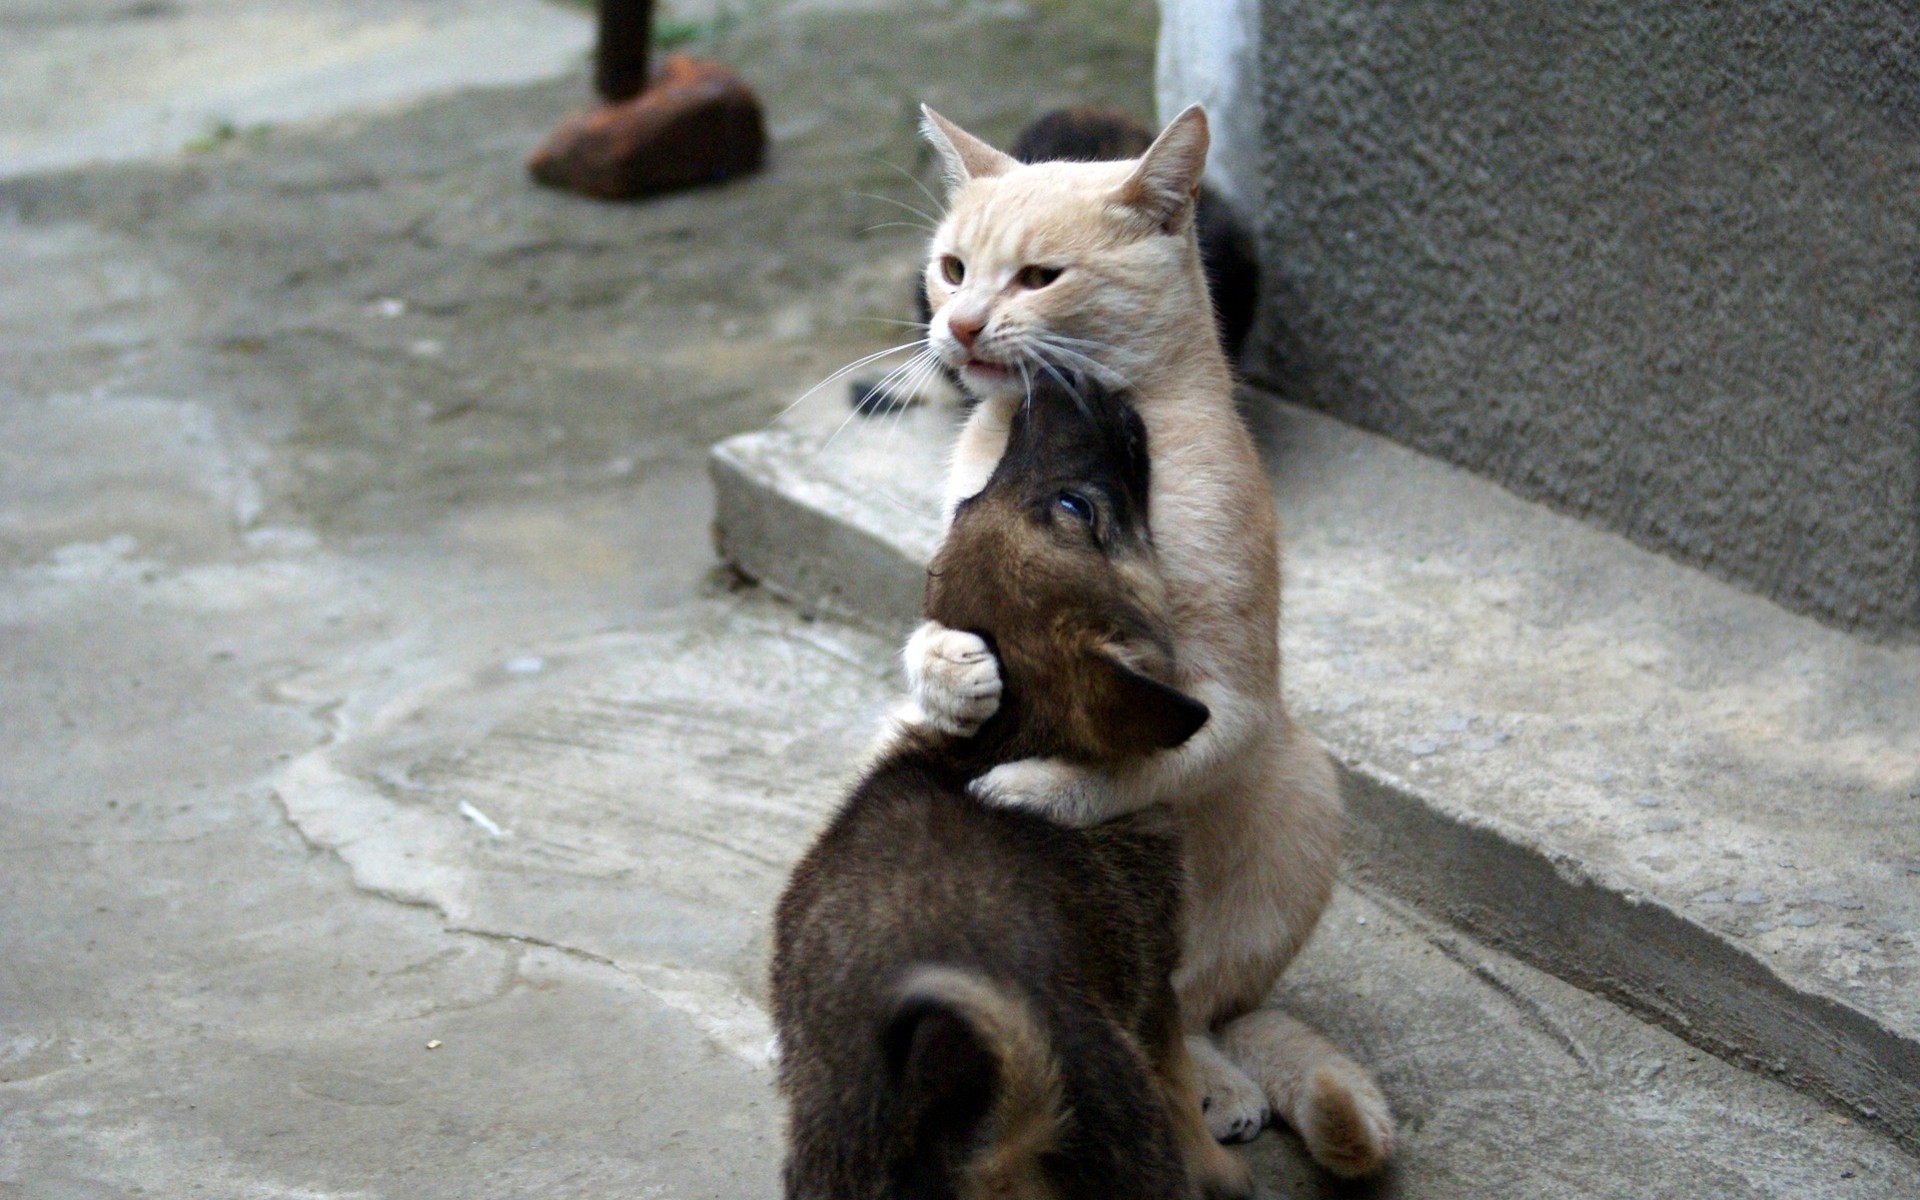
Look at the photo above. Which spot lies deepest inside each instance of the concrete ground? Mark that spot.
(392, 789)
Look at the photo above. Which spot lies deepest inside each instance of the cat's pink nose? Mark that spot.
(965, 329)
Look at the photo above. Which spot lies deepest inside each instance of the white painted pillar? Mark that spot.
(1209, 52)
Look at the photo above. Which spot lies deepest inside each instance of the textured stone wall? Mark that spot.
(1658, 264)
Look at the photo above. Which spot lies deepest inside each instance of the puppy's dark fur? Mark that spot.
(974, 1001)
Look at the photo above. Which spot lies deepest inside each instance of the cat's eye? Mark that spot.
(1034, 278)
(1076, 506)
(952, 269)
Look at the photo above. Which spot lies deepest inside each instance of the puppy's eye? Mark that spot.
(1035, 278)
(952, 269)
(1076, 506)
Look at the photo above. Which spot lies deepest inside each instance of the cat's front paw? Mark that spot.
(954, 678)
(1043, 786)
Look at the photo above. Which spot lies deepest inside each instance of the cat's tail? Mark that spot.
(952, 1035)
(1328, 1099)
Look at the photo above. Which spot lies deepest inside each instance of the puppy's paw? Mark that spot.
(1045, 787)
(1346, 1123)
(954, 678)
(1233, 1105)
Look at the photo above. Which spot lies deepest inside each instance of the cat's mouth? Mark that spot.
(983, 369)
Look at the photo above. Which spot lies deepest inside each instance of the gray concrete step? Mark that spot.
(1621, 770)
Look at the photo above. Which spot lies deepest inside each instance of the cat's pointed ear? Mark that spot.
(1167, 181)
(962, 155)
(1139, 712)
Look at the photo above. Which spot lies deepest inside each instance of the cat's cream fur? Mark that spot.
(1258, 796)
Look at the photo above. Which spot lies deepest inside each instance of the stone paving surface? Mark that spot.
(392, 787)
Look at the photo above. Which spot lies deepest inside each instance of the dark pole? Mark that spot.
(694, 122)
(620, 61)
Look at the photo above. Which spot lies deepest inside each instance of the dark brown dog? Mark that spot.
(973, 1001)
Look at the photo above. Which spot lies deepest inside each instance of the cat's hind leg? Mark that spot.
(1220, 1175)
(1234, 1107)
(1327, 1098)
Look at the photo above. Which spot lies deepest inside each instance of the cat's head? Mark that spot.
(1052, 563)
(1089, 265)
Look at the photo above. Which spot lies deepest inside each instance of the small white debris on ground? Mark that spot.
(481, 819)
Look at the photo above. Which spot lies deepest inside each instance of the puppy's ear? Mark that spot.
(1166, 184)
(1135, 713)
(962, 155)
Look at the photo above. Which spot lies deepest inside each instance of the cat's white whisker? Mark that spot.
(933, 222)
(897, 390)
(1067, 341)
(906, 390)
(1080, 346)
(1069, 358)
(1075, 360)
(887, 384)
(930, 372)
(855, 365)
(925, 363)
(1067, 338)
(910, 177)
(1116, 359)
(911, 389)
(884, 387)
(852, 412)
(1066, 384)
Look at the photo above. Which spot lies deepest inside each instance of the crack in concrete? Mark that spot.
(716, 1007)
(1533, 1014)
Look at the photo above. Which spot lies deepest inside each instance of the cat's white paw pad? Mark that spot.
(954, 678)
(1346, 1124)
(1233, 1106)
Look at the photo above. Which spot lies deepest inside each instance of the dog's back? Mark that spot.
(963, 994)
(975, 1001)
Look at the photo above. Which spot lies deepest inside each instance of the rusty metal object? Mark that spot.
(679, 124)
(696, 123)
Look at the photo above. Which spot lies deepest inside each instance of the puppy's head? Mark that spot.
(1052, 563)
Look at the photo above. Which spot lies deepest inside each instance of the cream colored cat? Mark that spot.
(1094, 265)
